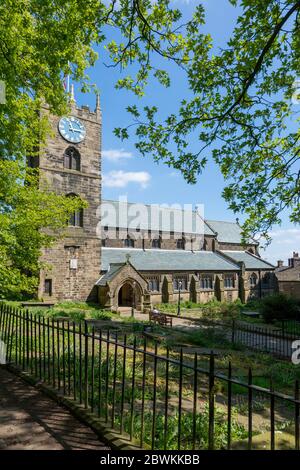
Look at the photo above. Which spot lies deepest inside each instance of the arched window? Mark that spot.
(76, 218)
(180, 244)
(266, 280)
(153, 284)
(156, 243)
(180, 282)
(206, 281)
(129, 242)
(72, 159)
(229, 280)
(253, 280)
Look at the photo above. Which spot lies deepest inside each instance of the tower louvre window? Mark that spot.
(72, 159)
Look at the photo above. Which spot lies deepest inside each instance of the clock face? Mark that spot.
(71, 129)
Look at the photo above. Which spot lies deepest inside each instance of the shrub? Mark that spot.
(279, 307)
(253, 304)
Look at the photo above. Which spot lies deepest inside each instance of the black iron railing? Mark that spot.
(153, 396)
(275, 340)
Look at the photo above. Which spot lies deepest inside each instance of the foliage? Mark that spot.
(279, 307)
(239, 432)
(41, 43)
(213, 309)
(252, 304)
(76, 311)
(29, 220)
(240, 110)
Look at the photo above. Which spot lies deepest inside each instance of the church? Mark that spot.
(110, 256)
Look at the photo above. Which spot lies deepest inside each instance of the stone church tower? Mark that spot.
(71, 165)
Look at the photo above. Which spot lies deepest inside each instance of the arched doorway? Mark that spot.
(130, 295)
(125, 296)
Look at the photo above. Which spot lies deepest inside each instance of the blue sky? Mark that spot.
(125, 172)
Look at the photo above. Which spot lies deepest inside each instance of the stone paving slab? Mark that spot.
(31, 421)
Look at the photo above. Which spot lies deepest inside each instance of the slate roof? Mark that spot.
(154, 217)
(167, 260)
(227, 232)
(113, 269)
(251, 261)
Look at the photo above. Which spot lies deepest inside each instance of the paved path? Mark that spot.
(31, 421)
(177, 321)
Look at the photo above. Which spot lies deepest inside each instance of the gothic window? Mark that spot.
(76, 218)
(206, 281)
(266, 280)
(72, 159)
(180, 282)
(156, 243)
(103, 242)
(153, 284)
(180, 244)
(129, 242)
(229, 280)
(253, 280)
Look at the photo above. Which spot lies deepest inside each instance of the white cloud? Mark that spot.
(120, 179)
(284, 242)
(115, 155)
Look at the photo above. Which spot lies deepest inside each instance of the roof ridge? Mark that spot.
(226, 253)
(156, 250)
(222, 221)
(259, 258)
(171, 208)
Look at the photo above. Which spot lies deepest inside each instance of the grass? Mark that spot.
(282, 373)
(290, 326)
(107, 372)
(76, 311)
(111, 371)
(213, 307)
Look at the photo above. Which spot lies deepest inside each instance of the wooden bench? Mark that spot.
(160, 318)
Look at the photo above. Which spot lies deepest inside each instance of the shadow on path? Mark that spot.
(31, 421)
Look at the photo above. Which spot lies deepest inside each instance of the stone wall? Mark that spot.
(115, 239)
(73, 263)
(291, 288)
(194, 291)
(261, 289)
(238, 247)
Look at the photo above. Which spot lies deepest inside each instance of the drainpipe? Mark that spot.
(259, 277)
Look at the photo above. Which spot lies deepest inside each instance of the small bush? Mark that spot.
(279, 307)
(253, 304)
